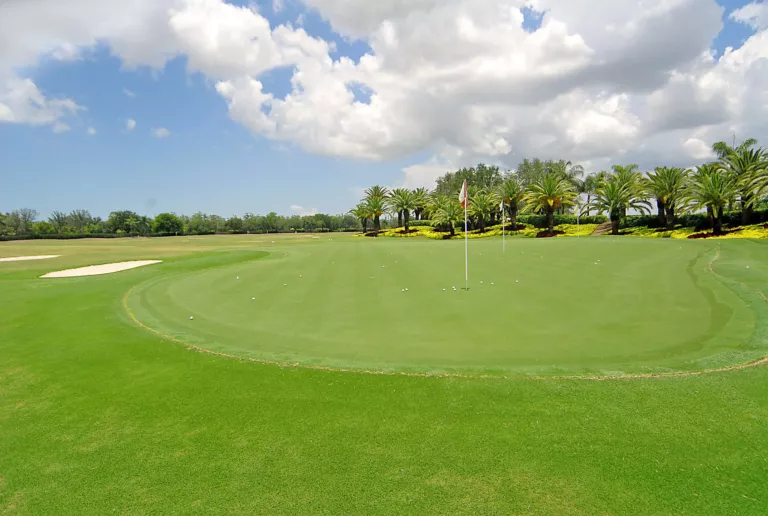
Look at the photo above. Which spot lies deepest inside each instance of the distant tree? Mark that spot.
(376, 200)
(748, 166)
(44, 228)
(446, 212)
(234, 224)
(722, 149)
(361, 213)
(270, 222)
(482, 204)
(118, 220)
(78, 220)
(548, 193)
(403, 201)
(168, 223)
(711, 188)
(615, 196)
(512, 190)
(59, 220)
(20, 221)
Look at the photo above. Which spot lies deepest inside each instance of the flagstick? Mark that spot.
(466, 247)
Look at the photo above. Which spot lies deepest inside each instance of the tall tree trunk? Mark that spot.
(710, 216)
(746, 214)
(481, 223)
(364, 223)
(450, 228)
(615, 225)
(660, 205)
(399, 218)
(406, 219)
(589, 199)
(513, 217)
(550, 220)
(670, 216)
(717, 224)
(376, 223)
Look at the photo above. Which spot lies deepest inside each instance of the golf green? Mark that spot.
(556, 307)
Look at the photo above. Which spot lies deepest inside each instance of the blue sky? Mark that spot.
(208, 163)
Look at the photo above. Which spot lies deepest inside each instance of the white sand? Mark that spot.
(25, 258)
(95, 270)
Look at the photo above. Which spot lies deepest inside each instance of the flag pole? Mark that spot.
(466, 247)
(503, 234)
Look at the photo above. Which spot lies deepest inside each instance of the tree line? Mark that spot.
(26, 223)
(736, 180)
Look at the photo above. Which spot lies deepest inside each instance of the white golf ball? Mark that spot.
(517, 281)
(300, 276)
(747, 266)
(253, 299)
(238, 277)
(492, 283)
(285, 284)
(190, 317)
(403, 290)
(481, 282)
(443, 290)
(273, 241)
(406, 290)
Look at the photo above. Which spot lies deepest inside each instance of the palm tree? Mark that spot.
(666, 185)
(58, 220)
(589, 186)
(482, 204)
(403, 201)
(512, 190)
(722, 149)
(711, 188)
(446, 211)
(548, 193)
(615, 196)
(376, 200)
(421, 200)
(748, 166)
(362, 213)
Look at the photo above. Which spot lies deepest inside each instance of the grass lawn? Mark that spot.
(98, 414)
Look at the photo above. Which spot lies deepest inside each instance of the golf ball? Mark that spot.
(406, 290)
(443, 290)
(190, 317)
(517, 281)
(403, 290)
(238, 277)
(253, 299)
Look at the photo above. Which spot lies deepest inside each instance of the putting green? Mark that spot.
(560, 306)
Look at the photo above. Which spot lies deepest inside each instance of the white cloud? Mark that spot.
(60, 127)
(754, 14)
(22, 102)
(130, 124)
(300, 210)
(161, 132)
(128, 93)
(600, 81)
(91, 131)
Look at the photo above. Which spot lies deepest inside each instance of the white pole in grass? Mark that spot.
(464, 198)
(503, 234)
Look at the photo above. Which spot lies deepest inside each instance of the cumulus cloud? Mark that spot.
(130, 124)
(599, 81)
(91, 131)
(161, 132)
(754, 14)
(300, 210)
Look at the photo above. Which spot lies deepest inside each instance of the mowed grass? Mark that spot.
(98, 415)
(564, 306)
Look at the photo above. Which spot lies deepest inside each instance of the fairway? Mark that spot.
(105, 407)
(563, 306)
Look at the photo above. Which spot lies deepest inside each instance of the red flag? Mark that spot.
(463, 198)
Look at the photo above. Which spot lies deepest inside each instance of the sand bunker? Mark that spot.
(25, 258)
(96, 270)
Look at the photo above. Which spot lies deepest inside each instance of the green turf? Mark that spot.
(564, 306)
(99, 416)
